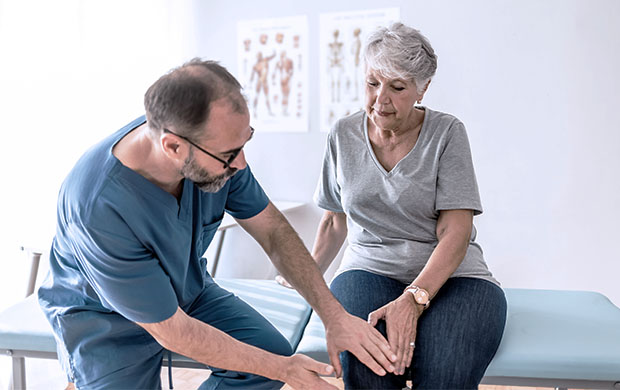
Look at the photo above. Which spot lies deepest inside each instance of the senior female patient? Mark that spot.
(398, 182)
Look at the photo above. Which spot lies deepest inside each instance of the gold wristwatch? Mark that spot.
(420, 296)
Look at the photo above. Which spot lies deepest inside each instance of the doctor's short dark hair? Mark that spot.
(181, 99)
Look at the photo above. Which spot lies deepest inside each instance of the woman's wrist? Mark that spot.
(420, 296)
(419, 309)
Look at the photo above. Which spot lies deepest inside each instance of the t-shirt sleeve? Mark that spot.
(246, 197)
(124, 274)
(457, 187)
(327, 194)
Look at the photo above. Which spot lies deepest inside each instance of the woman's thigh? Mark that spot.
(362, 292)
(458, 335)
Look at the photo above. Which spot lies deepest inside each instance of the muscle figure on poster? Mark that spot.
(272, 55)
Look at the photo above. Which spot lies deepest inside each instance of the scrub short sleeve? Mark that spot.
(124, 274)
(457, 187)
(246, 197)
(327, 194)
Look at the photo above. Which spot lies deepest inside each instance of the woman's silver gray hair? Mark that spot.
(402, 52)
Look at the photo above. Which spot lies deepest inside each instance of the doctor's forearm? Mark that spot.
(208, 345)
(292, 259)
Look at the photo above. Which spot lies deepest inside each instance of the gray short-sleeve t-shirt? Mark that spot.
(392, 216)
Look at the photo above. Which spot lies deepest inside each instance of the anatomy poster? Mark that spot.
(342, 36)
(272, 63)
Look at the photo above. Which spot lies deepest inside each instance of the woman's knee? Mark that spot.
(356, 375)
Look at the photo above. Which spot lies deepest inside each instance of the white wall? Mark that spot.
(71, 72)
(536, 84)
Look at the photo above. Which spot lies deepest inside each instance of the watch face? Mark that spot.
(421, 297)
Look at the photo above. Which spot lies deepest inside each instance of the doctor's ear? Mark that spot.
(172, 146)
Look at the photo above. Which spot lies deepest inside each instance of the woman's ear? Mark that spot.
(423, 92)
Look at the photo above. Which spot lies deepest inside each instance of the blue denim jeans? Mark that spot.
(457, 336)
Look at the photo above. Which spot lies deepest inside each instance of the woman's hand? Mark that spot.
(401, 320)
(283, 282)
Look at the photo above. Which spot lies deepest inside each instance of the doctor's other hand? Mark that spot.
(303, 372)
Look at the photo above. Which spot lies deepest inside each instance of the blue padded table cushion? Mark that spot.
(313, 341)
(549, 334)
(559, 334)
(24, 327)
(283, 307)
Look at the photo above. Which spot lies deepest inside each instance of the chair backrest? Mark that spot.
(35, 260)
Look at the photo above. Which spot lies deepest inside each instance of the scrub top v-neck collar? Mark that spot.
(180, 207)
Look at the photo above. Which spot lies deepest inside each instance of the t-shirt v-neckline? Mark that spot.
(378, 164)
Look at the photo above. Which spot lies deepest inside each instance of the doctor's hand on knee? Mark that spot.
(303, 372)
(349, 333)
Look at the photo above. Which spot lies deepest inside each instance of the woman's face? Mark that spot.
(389, 102)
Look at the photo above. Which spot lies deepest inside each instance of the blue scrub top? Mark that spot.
(125, 249)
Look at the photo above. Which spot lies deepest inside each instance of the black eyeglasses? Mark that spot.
(226, 163)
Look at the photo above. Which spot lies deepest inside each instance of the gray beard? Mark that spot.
(202, 179)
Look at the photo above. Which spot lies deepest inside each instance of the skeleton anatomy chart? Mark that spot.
(272, 66)
(342, 36)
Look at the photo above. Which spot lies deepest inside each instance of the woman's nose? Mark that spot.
(383, 96)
